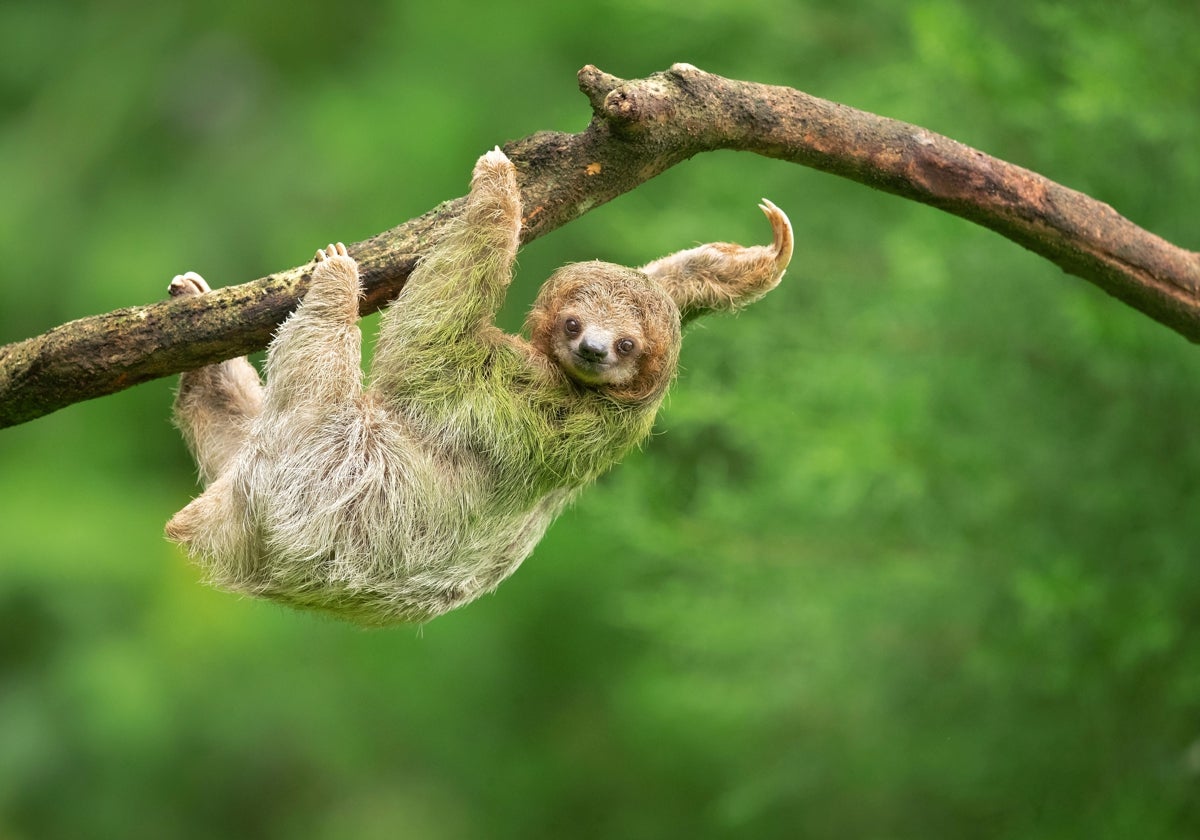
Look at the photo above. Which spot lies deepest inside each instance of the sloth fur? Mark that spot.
(399, 501)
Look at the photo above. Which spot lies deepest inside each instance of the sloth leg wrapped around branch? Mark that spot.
(215, 405)
(405, 498)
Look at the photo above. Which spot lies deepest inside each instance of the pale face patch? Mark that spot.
(598, 348)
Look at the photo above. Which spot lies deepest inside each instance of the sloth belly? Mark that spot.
(377, 526)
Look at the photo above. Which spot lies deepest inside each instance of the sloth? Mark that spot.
(399, 500)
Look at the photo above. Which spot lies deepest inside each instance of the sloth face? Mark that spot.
(609, 328)
(598, 351)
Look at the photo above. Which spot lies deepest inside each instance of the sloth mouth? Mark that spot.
(582, 360)
(590, 370)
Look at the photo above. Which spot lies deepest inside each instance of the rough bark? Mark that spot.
(639, 128)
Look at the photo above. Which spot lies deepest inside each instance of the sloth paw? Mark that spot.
(494, 167)
(190, 283)
(331, 251)
(782, 229)
(495, 159)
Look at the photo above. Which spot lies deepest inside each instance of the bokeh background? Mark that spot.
(912, 555)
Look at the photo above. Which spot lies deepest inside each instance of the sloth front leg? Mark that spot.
(723, 276)
(216, 404)
(314, 362)
(458, 286)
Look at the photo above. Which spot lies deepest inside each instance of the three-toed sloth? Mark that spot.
(400, 500)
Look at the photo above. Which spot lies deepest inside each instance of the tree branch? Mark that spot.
(639, 128)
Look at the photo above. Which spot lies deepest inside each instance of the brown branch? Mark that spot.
(639, 128)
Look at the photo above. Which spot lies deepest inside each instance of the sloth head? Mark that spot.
(609, 328)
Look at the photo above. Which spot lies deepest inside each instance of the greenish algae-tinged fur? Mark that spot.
(398, 500)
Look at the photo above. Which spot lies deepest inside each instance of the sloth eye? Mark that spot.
(626, 346)
(571, 326)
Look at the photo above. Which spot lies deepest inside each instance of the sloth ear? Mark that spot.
(722, 276)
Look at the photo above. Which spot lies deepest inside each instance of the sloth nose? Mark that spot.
(592, 350)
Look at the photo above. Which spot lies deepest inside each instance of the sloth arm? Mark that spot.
(722, 276)
(448, 304)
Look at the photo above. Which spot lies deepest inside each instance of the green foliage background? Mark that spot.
(913, 556)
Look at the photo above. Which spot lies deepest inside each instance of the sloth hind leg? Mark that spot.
(216, 404)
